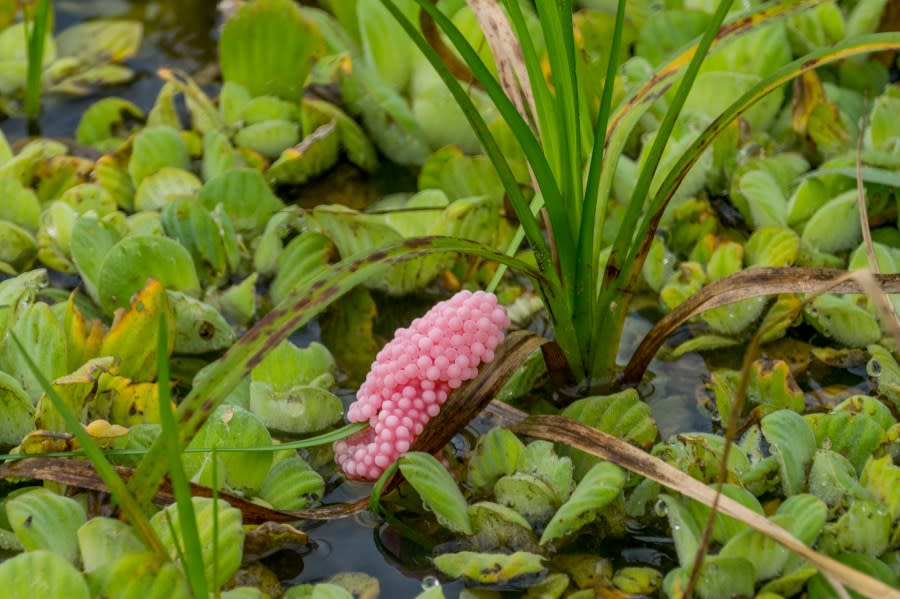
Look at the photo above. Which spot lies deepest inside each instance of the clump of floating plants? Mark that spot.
(201, 239)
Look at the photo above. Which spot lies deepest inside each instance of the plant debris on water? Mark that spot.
(191, 294)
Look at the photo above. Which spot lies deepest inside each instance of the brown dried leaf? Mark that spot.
(755, 282)
(81, 474)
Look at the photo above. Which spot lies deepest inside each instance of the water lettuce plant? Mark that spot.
(201, 204)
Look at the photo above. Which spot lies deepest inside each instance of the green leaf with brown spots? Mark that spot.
(491, 568)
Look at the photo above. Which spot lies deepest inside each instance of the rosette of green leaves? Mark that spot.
(496, 526)
(220, 531)
(599, 487)
(42, 519)
(770, 387)
(292, 485)
(242, 471)
(427, 213)
(540, 483)
(290, 389)
(747, 556)
(621, 414)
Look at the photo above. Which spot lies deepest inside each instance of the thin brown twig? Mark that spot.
(754, 282)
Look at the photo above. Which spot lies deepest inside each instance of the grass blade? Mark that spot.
(526, 138)
(35, 37)
(556, 23)
(589, 241)
(192, 559)
(127, 503)
(543, 100)
(623, 252)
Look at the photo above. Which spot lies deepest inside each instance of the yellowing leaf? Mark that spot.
(125, 402)
(808, 93)
(84, 338)
(76, 390)
(133, 335)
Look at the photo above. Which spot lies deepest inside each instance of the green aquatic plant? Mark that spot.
(73, 62)
(200, 206)
(588, 296)
(37, 26)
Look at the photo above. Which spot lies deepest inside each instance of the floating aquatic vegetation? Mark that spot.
(216, 522)
(233, 427)
(290, 390)
(199, 204)
(42, 519)
(60, 578)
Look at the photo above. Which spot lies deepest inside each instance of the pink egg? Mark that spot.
(413, 375)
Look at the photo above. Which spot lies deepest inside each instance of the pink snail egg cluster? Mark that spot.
(413, 375)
